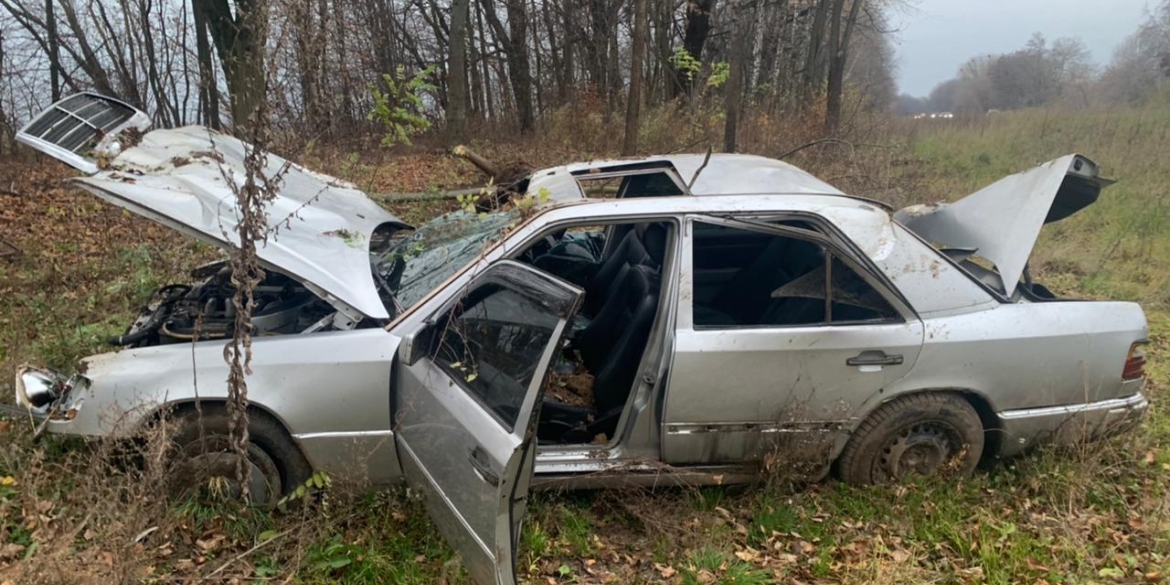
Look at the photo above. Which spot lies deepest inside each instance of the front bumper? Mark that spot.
(1070, 424)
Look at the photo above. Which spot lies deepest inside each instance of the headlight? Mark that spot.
(37, 388)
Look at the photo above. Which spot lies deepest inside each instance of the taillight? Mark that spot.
(1135, 362)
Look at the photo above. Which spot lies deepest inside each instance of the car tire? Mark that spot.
(278, 466)
(922, 434)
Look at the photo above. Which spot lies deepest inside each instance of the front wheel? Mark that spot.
(920, 434)
(205, 457)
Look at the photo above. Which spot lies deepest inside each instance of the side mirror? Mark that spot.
(415, 346)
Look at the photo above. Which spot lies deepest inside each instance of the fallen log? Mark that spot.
(423, 195)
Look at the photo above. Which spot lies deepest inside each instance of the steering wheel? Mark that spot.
(544, 245)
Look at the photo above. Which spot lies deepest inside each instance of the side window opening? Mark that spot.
(746, 278)
(491, 342)
(639, 179)
(597, 370)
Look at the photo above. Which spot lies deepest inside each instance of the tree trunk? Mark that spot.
(239, 39)
(812, 77)
(208, 95)
(739, 57)
(694, 39)
(560, 75)
(488, 102)
(88, 59)
(457, 73)
(518, 64)
(54, 50)
(839, 51)
(310, 20)
(515, 43)
(634, 100)
(6, 133)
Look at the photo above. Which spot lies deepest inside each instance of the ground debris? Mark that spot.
(573, 389)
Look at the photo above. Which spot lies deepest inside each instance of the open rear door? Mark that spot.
(468, 387)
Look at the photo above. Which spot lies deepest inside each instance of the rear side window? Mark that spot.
(746, 278)
(491, 344)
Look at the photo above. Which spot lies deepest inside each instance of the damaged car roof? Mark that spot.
(721, 174)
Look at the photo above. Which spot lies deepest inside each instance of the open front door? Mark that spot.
(467, 396)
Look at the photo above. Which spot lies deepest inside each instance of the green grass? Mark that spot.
(1118, 248)
(710, 566)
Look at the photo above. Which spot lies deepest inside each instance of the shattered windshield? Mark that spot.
(416, 264)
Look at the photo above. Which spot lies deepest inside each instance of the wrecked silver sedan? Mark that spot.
(705, 317)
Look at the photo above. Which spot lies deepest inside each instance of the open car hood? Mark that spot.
(1001, 222)
(320, 227)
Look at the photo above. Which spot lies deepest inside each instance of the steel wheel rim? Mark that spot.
(924, 448)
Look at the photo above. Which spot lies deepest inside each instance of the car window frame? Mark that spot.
(758, 222)
(838, 237)
(626, 170)
(437, 317)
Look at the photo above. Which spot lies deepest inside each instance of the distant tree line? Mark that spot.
(1060, 73)
(499, 65)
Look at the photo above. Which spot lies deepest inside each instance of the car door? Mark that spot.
(744, 383)
(467, 394)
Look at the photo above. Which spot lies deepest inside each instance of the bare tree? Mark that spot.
(239, 40)
(515, 43)
(839, 36)
(634, 100)
(6, 131)
(54, 49)
(740, 57)
(457, 100)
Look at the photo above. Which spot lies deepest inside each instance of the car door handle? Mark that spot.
(479, 462)
(874, 358)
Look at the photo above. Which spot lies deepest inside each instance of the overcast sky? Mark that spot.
(935, 37)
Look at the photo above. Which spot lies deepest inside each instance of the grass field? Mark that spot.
(73, 513)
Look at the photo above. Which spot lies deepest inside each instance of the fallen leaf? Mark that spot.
(209, 544)
(665, 570)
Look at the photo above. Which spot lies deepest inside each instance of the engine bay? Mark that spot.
(182, 313)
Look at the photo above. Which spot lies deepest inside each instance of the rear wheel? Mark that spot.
(920, 434)
(206, 459)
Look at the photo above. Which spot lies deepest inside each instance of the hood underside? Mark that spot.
(1001, 222)
(319, 227)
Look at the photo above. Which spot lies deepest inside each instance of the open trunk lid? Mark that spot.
(320, 227)
(1001, 222)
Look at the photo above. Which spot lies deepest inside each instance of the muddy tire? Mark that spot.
(278, 466)
(920, 434)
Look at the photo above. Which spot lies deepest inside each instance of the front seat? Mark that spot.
(748, 295)
(601, 286)
(612, 344)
